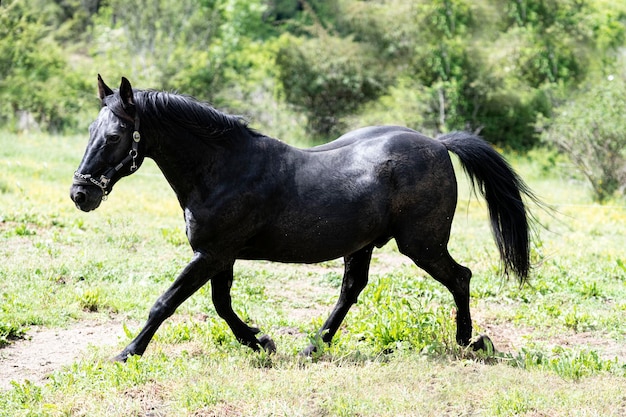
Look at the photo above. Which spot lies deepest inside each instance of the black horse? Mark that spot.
(248, 196)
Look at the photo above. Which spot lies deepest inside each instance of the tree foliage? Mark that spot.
(489, 66)
(37, 86)
(328, 78)
(187, 45)
(590, 129)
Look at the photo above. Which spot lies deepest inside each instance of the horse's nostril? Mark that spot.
(79, 197)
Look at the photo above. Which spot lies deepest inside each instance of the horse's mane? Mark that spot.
(176, 112)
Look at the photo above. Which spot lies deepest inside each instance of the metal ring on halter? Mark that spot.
(133, 154)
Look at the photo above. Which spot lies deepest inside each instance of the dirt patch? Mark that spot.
(600, 342)
(510, 338)
(47, 350)
(506, 337)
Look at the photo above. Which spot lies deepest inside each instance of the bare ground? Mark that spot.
(47, 350)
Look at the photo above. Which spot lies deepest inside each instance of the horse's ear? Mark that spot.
(126, 93)
(103, 89)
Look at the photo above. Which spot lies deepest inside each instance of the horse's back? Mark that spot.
(404, 152)
(365, 134)
(394, 151)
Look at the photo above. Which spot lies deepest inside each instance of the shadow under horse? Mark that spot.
(249, 196)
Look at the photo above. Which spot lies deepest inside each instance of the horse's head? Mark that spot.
(113, 150)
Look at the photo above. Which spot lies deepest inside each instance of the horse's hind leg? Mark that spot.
(356, 269)
(456, 278)
(220, 293)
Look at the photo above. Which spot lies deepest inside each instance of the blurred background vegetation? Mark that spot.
(521, 73)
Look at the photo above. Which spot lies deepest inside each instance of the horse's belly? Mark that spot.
(311, 245)
(293, 255)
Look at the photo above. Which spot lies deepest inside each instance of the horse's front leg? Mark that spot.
(220, 292)
(356, 270)
(194, 276)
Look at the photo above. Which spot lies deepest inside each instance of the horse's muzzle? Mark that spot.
(86, 197)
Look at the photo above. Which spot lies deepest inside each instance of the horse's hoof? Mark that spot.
(122, 357)
(484, 343)
(267, 344)
(308, 351)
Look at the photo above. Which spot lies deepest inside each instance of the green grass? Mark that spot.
(561, 338)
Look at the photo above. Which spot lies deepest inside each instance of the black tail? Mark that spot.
(502, 188)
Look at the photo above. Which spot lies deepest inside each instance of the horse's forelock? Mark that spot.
(114, 103)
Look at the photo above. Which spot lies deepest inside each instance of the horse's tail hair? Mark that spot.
(502, 188)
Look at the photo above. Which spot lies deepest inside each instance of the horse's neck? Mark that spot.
(193, 167)
(183, 161)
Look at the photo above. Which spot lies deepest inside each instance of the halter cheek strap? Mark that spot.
(105, 179)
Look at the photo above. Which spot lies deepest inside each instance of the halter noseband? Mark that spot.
(105, 179)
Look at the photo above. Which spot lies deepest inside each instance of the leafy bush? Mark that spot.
(384, 26)
(507, 117)
(37, 88)
(591, 131)
(328, 78)
(9, 331)
(188, 46)
(416, 102)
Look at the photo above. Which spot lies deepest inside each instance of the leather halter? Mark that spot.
(105, 179)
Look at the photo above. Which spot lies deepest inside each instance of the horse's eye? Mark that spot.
(113, 139)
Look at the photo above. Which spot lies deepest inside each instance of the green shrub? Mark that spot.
(328, 78)
(37, 87)
(591, 132)
(9, 331)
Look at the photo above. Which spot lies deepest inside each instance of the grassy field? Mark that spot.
(561, 340)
